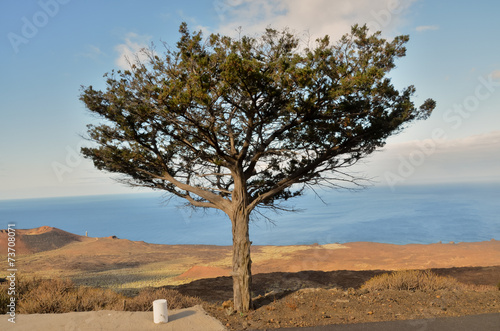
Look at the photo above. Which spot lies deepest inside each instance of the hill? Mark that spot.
(113, 262)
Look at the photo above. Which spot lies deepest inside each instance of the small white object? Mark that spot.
(160, 311)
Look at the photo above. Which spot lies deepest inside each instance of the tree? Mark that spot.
(239, 124)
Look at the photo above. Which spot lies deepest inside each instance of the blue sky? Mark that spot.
(49, 48)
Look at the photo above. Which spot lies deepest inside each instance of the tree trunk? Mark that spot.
(242, 264)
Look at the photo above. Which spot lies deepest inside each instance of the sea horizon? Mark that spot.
(420, 214)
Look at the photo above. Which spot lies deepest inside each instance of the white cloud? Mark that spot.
(92, 52)
(496, 74)
(471, 159)
(130, 50)
(317, 17)
(422, 28)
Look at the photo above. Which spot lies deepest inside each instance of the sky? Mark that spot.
(50, 48)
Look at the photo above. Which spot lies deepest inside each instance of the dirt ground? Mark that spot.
(121, 263)
(310, 298)
(292, 285)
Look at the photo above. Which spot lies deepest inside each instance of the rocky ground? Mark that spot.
(317, 298)
(292, 285)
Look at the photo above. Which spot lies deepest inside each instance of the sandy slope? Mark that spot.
(114, 262)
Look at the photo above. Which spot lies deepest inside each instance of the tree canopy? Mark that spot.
(238, 123)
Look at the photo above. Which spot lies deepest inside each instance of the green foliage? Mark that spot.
(257, 115)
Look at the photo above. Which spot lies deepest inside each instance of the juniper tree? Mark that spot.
(238, 124)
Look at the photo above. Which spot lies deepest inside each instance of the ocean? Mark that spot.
(413, 214)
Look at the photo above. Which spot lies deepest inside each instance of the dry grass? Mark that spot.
(45, 296)
(4, 297)
(411, 280)
(144, 300)
(35, 295)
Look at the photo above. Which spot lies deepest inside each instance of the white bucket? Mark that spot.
(160, 311)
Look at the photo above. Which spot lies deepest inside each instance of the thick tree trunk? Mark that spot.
(242, 264)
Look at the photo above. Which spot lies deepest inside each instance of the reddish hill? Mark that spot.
(53, 251)
(37, 240)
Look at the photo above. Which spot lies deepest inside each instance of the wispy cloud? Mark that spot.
(474, 158)
(496, 74)
(92, 52)
(130, 50)
(317, 17)
(423, 28)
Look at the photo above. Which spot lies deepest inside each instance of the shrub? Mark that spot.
(144, 300)
(45, 296)
(4, 298)
(90, 299)
(411, 280)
